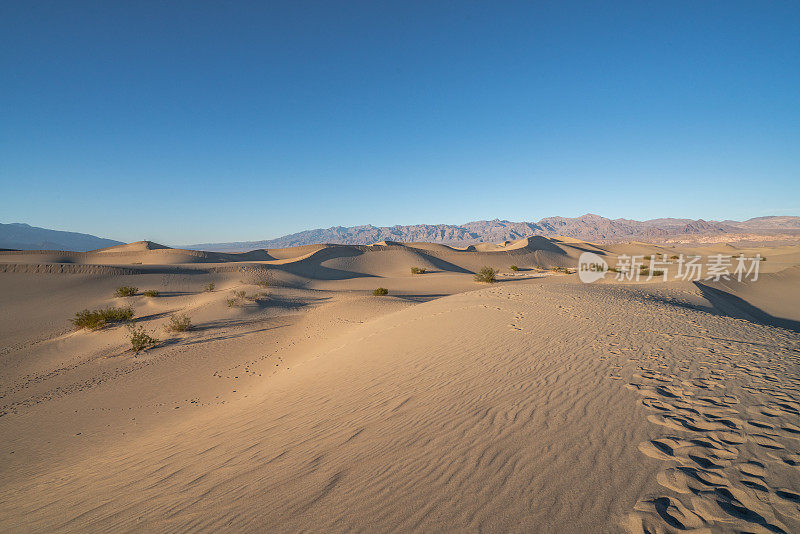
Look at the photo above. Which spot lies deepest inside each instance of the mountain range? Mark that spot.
(588, 227)
(20, 236)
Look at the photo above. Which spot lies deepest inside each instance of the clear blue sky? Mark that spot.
(198, 121)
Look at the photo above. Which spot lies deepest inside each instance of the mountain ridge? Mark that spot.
(589, 227)
(22, 236)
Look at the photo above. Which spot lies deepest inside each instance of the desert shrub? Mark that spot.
(614, 270)
(238, 298)
(380, 291)
(418, 270)
(96, 319)
(180, 322)
(210, 287)
(674, 257)
(514, 268)
(486, 274)
(126, 291)
(140, 339)
(658, 272)
(151, 293)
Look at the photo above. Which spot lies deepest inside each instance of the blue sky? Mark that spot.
(189, 122)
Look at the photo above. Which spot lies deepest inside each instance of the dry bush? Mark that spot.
(126, 291)
(180, 322)
(487, 275)
(96, 319)
(140, 339)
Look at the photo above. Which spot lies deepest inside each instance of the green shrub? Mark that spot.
(486, 274)
(238, 298)
(126, 291)
(417, 270)
(96, 319)
(210, 287)
(380, 291)
(140, 339)
(514, 268)
(179, 322)
(151, 293)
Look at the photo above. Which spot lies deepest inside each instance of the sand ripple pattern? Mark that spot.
(727, 413)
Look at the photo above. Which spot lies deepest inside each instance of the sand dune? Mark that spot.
(534, 404)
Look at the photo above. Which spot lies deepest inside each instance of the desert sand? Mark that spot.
(537, 403)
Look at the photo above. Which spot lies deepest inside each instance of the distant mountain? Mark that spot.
(25, 237)
(589, 227)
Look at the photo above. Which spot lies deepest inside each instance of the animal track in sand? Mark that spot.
(720, 448)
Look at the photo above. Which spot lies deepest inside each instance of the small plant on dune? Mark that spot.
(514, 268)
(674, 257)
(96, 319)
(418, 270)
(180, 322)
(614, 270)
(151, 293)
(487, 275)
(210, 287)
(140, 339)
(380, 291)
(237, 299)
(126, 291)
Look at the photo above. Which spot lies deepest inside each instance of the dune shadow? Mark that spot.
(221, 337)
(725, 303)
(421, 297)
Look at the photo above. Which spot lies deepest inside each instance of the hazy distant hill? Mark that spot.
(25, 237)
(589, 227)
